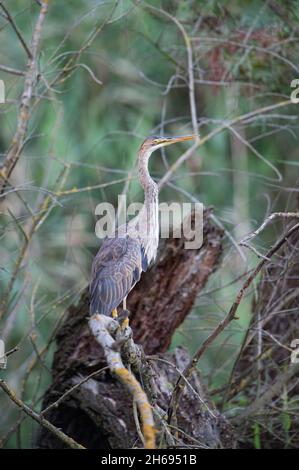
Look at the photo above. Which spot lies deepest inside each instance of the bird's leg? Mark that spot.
(114, 313)
(125, 323)
(122, 317)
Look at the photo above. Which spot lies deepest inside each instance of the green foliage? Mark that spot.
(257, 436)
(140, 57)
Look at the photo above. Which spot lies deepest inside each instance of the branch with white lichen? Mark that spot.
(108, 333)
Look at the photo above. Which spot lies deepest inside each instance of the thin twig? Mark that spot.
(186, 155)
(266, 398)
(31, 77)
(12, 71)
(42, 421)
(71, 390)
(16, 29)
(179, 387)
(275, 215)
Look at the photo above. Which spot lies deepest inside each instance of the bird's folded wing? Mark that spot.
(115, 270)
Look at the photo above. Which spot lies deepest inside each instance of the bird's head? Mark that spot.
(153, 142)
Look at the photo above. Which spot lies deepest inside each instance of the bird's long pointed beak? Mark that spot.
(173, 140)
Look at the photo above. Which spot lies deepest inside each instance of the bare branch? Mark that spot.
(42, 421)
(275, 215)
(266, 398)
(223, 324)
(56, 403)
(18, 141)
(12, 71)
(16, 29)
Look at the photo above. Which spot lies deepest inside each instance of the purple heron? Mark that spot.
(118, 265)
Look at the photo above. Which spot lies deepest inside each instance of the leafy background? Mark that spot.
(244, 58)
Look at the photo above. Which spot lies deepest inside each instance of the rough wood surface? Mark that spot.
(99, 413)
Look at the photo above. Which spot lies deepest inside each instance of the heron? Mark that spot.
(121, 259)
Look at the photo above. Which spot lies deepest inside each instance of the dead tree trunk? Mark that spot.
(99, 413)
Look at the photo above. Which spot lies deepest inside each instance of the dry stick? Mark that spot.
(36, 222)
(91, 188)
(137, 422)
(31, 366)
(268, 395)
(191, 86)
(181, 374)
(179, 387)
(274, 215)
(4, 439)
(10, 19)
(101, 327)
(9, 353)
(71, 65)
(249, 337)
(42, 421)
(186, 155)
(67, 67)
(261, 323)
(241, 45)
(56, 403)
(232, 384)
(15, 149)
(12, 71)
(199, 142)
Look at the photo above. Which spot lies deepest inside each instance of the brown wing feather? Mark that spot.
(115, 270)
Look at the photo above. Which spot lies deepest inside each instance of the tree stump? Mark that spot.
(99, 413)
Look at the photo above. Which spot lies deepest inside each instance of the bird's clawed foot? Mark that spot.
(123, 318)
(114, 313)
(123, 333)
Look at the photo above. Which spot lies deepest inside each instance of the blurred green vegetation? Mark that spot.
(95, 129)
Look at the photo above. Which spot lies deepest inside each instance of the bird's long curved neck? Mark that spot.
(149, 186)
(148, 218)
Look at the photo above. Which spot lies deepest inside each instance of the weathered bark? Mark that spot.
(99, 413)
